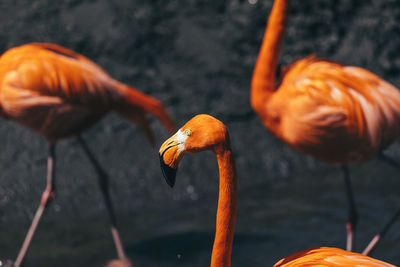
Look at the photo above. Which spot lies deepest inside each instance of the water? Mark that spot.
(196, 57)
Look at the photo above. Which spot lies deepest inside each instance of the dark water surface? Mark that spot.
(196, 57)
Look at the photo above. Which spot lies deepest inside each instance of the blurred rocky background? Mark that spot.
(196, 56)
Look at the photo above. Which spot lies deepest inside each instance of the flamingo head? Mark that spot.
(202, 132)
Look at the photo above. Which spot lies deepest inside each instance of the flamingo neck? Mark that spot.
(134, 104)
(263, 80)
(226, 212)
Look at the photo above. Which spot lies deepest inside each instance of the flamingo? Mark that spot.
(337, 114)
(204, 132)
(59, 93)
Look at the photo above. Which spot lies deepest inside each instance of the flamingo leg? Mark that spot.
(372, 244)
(47, 195)
(378, 237)
(103, 183)
(352, 211)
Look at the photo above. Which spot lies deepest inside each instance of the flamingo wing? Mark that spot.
(53, 90)
(323, 107)
(329, 257)
(50, 70)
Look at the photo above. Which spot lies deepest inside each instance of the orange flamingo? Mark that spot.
(204, 132)
(338, 114)
(59, 93)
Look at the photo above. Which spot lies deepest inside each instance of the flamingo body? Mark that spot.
(329, 257)
(58, 93)
(335, 113)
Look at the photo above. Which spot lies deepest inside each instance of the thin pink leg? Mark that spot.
(378, 237)
(372, 244)
(103, 182)
(48, 194)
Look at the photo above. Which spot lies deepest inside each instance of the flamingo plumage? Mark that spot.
(204, 132)
(59, 93)
(337, 114)
(329, 257)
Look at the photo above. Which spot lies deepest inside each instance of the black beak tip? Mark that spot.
(168, 172)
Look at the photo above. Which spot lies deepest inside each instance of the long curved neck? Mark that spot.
(263, 80)
(227, 207)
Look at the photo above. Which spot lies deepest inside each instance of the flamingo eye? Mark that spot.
(187, 132)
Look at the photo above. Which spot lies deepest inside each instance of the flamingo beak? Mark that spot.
(170, 156)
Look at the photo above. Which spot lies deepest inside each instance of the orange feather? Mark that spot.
(58, 92)
(329, 257)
